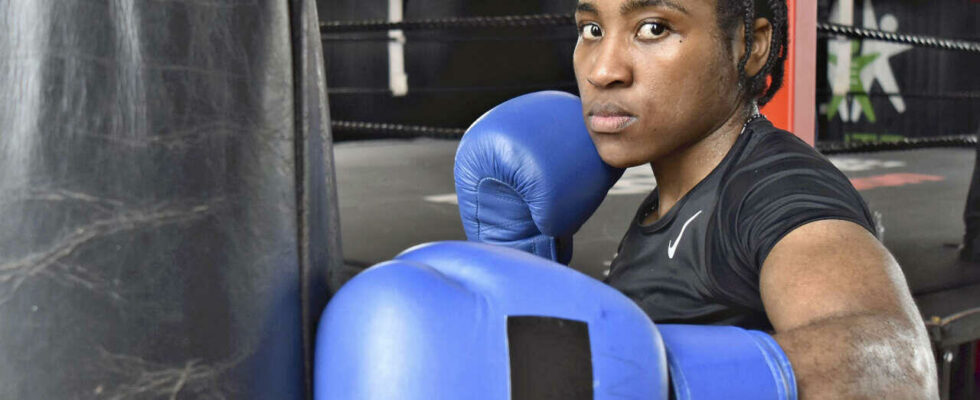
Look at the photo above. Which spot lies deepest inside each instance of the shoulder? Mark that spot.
(778, 183)
(769, 146)
(775, 159)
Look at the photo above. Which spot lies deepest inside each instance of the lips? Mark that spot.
(611, 123)
(609, 118)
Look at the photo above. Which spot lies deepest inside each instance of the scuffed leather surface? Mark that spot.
(528, 175)
(149, 200)
(322, 268)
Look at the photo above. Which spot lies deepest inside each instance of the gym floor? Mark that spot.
(398, 193)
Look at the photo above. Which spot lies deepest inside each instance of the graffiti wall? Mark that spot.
(874, 90)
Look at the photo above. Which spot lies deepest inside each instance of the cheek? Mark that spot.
(695, 86)
(578, 60)
(668, 76)
(579, 67)
(686, 93)
(721, 74)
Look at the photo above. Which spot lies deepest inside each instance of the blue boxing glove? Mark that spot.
(528, 175)
(462, 320)
(726, 362)
(457, 320)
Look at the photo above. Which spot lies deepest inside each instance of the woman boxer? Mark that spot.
(748, 226)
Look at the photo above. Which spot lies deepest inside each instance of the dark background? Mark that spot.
(454, 76)
(941, 88)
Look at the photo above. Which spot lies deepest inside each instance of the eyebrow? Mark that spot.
(636, 5)
(586, 7)
(632, 6)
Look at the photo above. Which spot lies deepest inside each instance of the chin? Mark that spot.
(619, 157)
(620, 151)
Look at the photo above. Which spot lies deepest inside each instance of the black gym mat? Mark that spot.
(395, 194)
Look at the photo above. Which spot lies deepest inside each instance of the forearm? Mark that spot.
(861, 356)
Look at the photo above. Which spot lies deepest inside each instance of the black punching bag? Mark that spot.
(168, 218)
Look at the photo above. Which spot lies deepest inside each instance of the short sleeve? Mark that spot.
(779, 185)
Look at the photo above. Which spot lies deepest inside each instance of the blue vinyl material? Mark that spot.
(528, 175)
(432, 324)
(726, 362)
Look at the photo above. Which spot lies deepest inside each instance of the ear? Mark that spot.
(761, 43)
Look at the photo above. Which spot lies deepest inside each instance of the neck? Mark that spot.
(683, 169)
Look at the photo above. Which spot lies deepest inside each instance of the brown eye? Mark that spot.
(591, 31)
(652, 30)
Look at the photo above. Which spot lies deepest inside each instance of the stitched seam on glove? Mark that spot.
(479, 222)
(501, 226)
(519, 200)
(509, 199)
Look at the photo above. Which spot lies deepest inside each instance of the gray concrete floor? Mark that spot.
(398, 193)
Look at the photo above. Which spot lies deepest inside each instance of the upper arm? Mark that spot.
(782, 191)
(831, 268)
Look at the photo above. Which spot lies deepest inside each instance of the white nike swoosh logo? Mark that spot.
(672, 245)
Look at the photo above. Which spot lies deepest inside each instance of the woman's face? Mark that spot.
(654, 76)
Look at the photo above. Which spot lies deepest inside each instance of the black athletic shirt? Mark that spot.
(699, 263)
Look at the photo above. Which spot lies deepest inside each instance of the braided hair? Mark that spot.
(763, 85)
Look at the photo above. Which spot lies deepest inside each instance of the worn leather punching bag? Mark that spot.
(168, 220)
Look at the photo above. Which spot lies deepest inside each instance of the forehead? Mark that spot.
(628, 6)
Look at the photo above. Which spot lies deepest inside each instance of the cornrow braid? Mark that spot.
(776, 64)
(748, 20)
(763, 85)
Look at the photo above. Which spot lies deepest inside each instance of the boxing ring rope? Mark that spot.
(917, 40)
(377, 25)
(434, 37)
(398, 130)
(965, 141)
(526, 87)
(915, 95)
(939, 323)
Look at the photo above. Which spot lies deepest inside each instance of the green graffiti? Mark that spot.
(856, 89)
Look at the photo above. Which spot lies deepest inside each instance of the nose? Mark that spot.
(610, 65)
